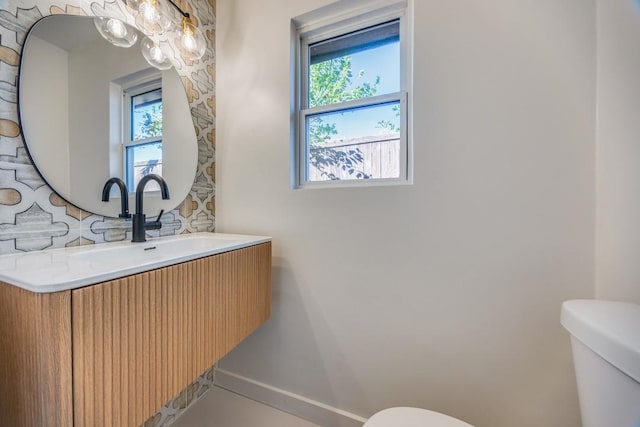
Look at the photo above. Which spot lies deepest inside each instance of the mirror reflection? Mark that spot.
(91, 111)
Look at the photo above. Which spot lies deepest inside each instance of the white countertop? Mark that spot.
(54, 270)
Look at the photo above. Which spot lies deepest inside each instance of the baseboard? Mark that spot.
(316, 412)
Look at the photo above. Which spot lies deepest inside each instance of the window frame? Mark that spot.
(335, 24)
(128, 93)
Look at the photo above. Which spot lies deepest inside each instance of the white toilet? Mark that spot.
(605, 340)
(412, 417)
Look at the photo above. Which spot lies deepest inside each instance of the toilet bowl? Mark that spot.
(412, 417)
(605, 341)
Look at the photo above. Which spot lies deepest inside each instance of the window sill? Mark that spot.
(353, 183)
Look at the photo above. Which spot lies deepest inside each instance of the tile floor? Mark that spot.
(222, 408)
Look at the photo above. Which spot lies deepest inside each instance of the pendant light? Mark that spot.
(115, 31)
(189, 40)
(152, 17)
(154, 54)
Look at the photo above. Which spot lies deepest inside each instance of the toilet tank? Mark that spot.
(605, 340)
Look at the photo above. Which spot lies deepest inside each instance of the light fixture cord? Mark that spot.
(183, 13)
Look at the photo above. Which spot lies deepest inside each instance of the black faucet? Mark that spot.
(139, 221)
(124, 195)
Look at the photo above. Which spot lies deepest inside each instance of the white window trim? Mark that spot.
(335, 20)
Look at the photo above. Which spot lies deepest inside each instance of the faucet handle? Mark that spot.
(154, 225)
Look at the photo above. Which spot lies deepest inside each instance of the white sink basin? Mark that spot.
(55, 270)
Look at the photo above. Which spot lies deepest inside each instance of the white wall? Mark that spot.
(445, 294)
(46, 98)
(618, 151)
(91, 69)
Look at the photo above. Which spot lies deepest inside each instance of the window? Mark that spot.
(142, 148)
(352, 120)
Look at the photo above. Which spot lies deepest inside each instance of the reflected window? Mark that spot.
(143, 142)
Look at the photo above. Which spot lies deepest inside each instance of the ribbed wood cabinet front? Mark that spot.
(139, 340)
(35, 358)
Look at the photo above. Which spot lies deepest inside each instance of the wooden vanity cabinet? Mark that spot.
(35, 358)
(113, 353)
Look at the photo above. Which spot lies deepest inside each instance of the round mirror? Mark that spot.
(91, 110)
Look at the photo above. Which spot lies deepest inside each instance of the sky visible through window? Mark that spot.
(383, 62)
(147, 123)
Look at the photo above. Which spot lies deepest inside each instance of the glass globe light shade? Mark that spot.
(115, 31)
(190, 41)
(154, 54)
(152, 16)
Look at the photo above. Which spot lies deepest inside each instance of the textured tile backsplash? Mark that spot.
(33, 217)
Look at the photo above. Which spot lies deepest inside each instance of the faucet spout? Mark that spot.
(139, 218)
(124, 195)
(164, 190)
